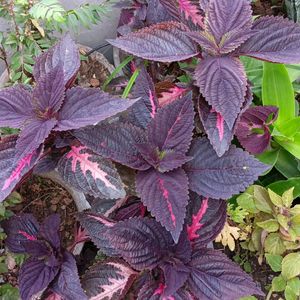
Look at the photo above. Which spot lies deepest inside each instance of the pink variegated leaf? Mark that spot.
(221, 177)
(15, 106)
(64, 53)
(228, 23)
(48, 95)
(35, 275)
(276, 39)
(12, 170)
(191, 11)
(168, 92)
(205, 219)
(85, 106)
(142, 242)
(223, 83)
(91, 173)
(172, 127)
(116, 142)
(33, 135)
(253, 130)
(166, 196)
(108, 280)
(219, 133)
(214, 277)
(145, 109)
(19, 228)
(96, 224)
(146, 44)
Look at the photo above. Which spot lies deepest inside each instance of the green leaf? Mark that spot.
(294, 284)
(269, 158)
(283, 221)
(278, 284)
(288, 197)
(291, 265)
(262, 199)
(274, 261)
(276, 199)
(246, 200)
(289, 294)
(3, 268)
(289, 128)
(131, 83)
(287, 164)
(279, 187)
(292, 145)
(8, 292)
(277, 90)
(274, 244)
(269, 225)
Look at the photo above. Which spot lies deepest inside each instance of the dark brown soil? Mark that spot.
(268, 7)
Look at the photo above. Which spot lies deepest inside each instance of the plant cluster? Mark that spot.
(158, 244)
(274, 234)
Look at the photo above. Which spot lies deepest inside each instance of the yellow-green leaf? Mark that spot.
(269, 225)
(291, 265)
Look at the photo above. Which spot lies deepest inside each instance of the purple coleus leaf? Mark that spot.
(220, 177)
(65, 53)
(12, 170)
(96, 225)
(34, 277)
(142, 242)
(205, 219)
(146, 43)
(218, 132)
(20, 228)
(214, 277)
(253, 130)
(91, 173)
(110, 279)
(68, 284)
(116, 142)
(166, 196)
(144, 110)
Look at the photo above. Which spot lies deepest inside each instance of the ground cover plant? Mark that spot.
(175, 137)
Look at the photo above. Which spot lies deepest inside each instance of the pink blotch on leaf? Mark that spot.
(171, 95)
(196, 221)
(27, 236)
(191, 11)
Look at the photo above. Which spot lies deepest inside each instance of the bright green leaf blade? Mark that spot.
(287, 164)
(291, 265)
(278, 284)
(281, 186)
(277, 90)
(292, 146)
(274, 261)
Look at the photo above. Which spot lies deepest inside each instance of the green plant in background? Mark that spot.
(274, 234)
(33, 23)
(8, 260)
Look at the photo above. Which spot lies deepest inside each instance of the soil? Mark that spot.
(269, 7)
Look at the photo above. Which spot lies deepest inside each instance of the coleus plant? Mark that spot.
(144, 253)
(48, 264)
(45, 112)
(228, 32)
(159, 146)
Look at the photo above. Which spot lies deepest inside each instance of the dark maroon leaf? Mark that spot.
(275, 39)
(166, 196)
(144, 110)
(37, 248)
(142, 242)
(48, 95)
(221, 177)
(20, 228)
(253, 128)
(15, 106)
(205, 219)
(146, 43)
(46, 164)
(217, 130)
(134, 208)
(108, 280)
(49, 230)
(86, 106)
(64, 53)
(172, 7)
(215, 277)
(33, 135)
(34, 277)
(223, 83)
(96, 225)
(68, 284)
(228, 23)
(157, 13)
(91, 173)
(12, 170)
(172, 127)
(116, 142)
